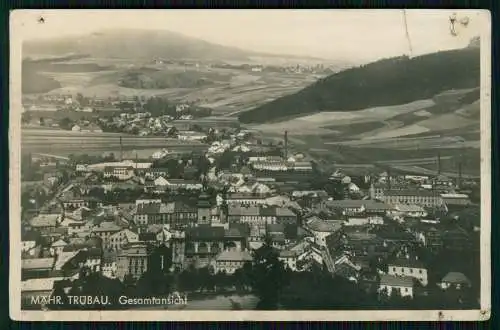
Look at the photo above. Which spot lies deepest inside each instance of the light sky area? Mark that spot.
(359, 35)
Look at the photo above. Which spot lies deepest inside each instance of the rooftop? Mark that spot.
(316, 224)
(406, 262)
(408, 192)
(39, 284)
(205, 232)
(45, 220)
(37, 263)
(231, 255)
(455, 278)
(392, 280)
(409, 208)
(107, 226)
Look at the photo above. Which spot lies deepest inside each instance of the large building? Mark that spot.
(418, 197)
(133, 260)
(203, 243)
(119, 172)
(229, 261)
(410, 268)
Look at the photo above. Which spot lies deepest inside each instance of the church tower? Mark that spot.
(204, 206)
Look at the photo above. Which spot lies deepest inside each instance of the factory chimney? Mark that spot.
(121, 149)
(286, 145)
(439, 163)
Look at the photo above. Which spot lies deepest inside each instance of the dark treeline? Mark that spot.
(385, 82)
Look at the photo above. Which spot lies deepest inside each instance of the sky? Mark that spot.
(360, 35)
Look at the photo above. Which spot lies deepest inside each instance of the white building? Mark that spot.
(119, 172)
(409, 267)
(390, 283)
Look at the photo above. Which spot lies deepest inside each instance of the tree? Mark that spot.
(173, 132)
(268, 276)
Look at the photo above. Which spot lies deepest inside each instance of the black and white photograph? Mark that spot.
(250, 165)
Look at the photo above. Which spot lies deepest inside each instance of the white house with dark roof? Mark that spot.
(390, 283)
(409, 267)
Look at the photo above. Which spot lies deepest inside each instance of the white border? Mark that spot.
(17, 19)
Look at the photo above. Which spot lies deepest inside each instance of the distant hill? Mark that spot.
(140, 44)
(383, 83)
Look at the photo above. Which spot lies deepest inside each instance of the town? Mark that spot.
(235, 214)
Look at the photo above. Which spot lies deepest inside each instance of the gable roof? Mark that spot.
(455, 278)
(392, 280)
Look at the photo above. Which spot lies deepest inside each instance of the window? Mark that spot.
(406, 289)
(411, 270)
(420, 271)
(393, 269)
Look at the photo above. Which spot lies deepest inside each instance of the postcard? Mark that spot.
(250, 165)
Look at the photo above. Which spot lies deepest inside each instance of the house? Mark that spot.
(229, 261)
(184, 214)
(418, 197)
(119, 172)
(36, 267)
(154, 213)
(161, 233)
(191, 136)
(82, 168)
(257, 217)
(175, 184)
(357, 221)
(121, 238)
(246, 199)
(410, 267)
(133, 260)
(57, 247)
(108, 265)
(88, 259)
(321, 229)
(79, 202)
(456, 200)
(45, 221)
(76, 128)
(401, 211)
(105, 229)
(289, 259)
(455, 280)
(390, 283)
(154, 172)
(205, 242)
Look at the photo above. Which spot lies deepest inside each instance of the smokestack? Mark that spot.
(121, 149)
(286, 144)
(439, 163)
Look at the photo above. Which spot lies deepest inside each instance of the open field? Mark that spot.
(226, 91)
(59, 142)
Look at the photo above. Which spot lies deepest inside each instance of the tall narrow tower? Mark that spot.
(439, 163)
(286, 145)
(121, 149)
